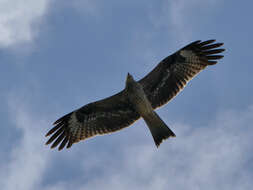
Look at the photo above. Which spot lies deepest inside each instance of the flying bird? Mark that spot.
(138, 98)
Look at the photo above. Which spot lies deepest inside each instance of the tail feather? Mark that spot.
(159, 130)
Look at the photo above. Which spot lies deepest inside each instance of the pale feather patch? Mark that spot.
(163, 82)
(186, 53)
(190, 56)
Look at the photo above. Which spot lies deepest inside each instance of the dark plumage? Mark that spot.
(163, 83)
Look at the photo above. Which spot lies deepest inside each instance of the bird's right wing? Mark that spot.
(171, 75)
(97, 118)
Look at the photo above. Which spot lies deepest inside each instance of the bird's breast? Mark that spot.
(140, 101)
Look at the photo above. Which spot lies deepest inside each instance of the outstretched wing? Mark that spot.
(97, 118)
(171, 75)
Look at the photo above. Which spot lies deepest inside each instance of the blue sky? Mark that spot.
(57, 56)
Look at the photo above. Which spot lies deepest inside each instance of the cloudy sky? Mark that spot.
(56, 56)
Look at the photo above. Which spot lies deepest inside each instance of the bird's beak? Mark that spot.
(129, 77)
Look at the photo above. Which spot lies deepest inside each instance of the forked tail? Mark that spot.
(159, 130)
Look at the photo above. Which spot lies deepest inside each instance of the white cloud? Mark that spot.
(18, 19)
(24, 169)
(212, 157)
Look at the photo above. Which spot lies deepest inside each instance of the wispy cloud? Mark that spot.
(18, 19)
(211, 157)
(24, 169)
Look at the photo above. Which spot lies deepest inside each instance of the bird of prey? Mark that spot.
(138, 98)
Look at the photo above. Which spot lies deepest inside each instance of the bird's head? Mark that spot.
(129, 80)
(129, 77)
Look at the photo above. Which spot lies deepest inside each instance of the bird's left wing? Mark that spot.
(171, 75)
(97, 118)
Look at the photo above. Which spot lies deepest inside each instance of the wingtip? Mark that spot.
(214, 57)
(60, 148)
(220, 44)
(212, 62)
(56, 122)
(53, 146)
(197, 41)
(220, 50)
(47, 134)
(210, 41)
(207, 42)
(69, 144)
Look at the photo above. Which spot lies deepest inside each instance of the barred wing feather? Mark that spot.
(171, 75)
(97, 118)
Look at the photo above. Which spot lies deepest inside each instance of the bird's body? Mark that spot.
(138, 99)
(141, 104)
(137, 96)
